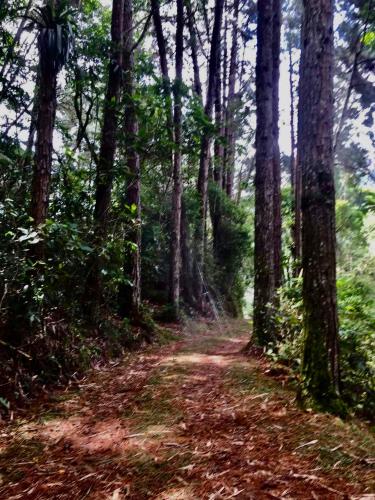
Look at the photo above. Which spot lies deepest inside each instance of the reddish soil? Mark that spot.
(195, 419)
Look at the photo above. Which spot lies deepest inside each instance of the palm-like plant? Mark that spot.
(56, 40)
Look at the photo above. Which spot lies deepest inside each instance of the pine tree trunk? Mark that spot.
(174, 287)
(205, 153)
(264, 263)
(225, 101)
(230, 111)
(44, 141)
(108, 143)
(194, 50)
(187, 288)
(276, 29)
(155, 11)
(106, 158)
(130, 295)
(215, 199)
(218, 147)
(320, 366)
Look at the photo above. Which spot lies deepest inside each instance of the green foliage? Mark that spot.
(231, 250)
(357, 338)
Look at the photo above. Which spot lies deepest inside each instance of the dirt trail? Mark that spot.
(191, 420)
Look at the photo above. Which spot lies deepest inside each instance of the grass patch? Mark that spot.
(153, 475)
(19, 452)
(153, 409)
(245, 379)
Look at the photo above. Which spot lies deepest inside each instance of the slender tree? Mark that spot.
(218, 167)
(162, 46)
(205, 150)
(295, 170)
(232, 103)
(106, 158)
(264, 251)
(108, 142)
(177, 181)
(194, 50)
(130, 294)
(218, 146)
(276, 30)
(54, 46)
(320, 365)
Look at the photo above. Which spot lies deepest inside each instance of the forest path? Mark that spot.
(194, 419)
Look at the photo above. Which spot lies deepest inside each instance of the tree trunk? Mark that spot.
(155, 11)
(194, 50)
(292, 125)
(225, 100)
(276, 28)
(44, 141)
(130, 295)
(106, 158)
(187, 288)
(205, 150)
(218, 147)
(104, 174)
(295, 177)
(264, 263)
(231, 105)
(320, 365)
(218, 160)
(174, 288)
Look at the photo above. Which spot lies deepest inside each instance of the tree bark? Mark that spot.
(320, 365)
(174, 288)
(264, 263)
(108, 143)
(218, 147)
(106, 158)
(218, 161)
(194, 50)
(225, 99)
(276, 31)
(44, 140)
(155, 11)
(292, 124)
(205, 150)
(130, 295)
(295, 176)
(231, 105)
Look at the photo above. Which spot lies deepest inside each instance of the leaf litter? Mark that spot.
(194, 419)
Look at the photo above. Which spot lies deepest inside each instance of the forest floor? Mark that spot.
(194, 419)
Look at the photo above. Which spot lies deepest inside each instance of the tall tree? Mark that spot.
(177, 181)
(205, 150)
(320, 365)
(264, 251)
(276, 31)
(54, 42)
(231, 104)
(162, 46)
(130, 294)
(108, 142)
(106, 158)
(293, 38)
(194, 50)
